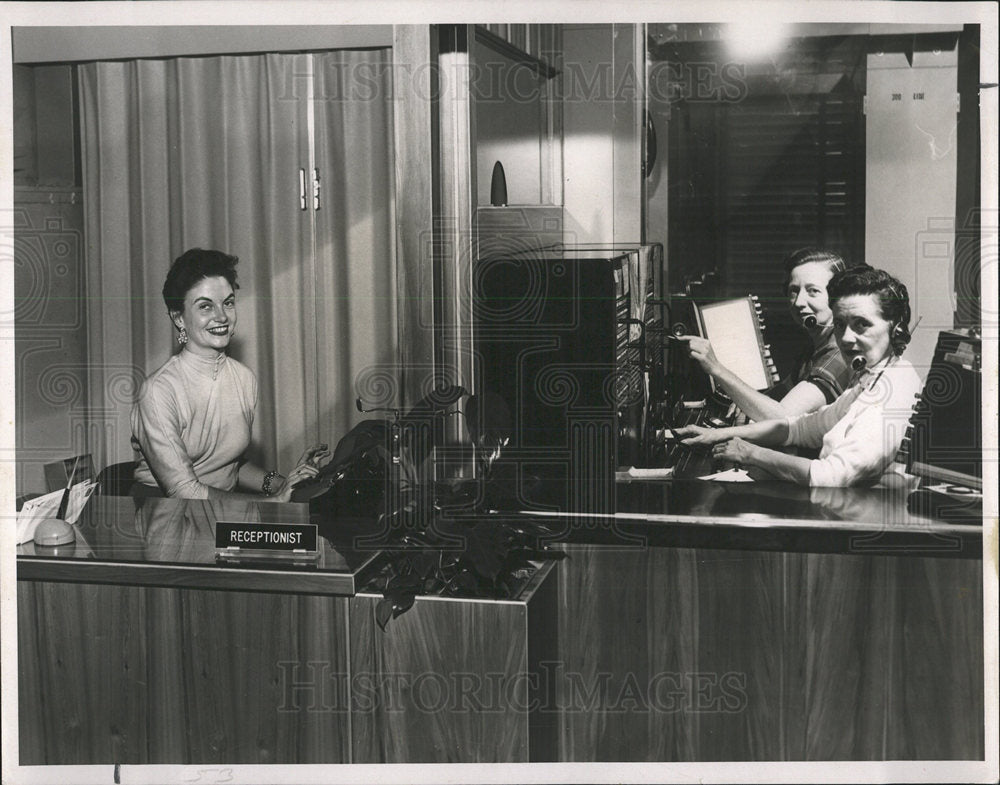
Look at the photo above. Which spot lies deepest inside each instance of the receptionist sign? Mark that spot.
(265, 536)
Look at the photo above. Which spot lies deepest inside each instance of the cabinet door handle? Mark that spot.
(316, 189)
(302, 189)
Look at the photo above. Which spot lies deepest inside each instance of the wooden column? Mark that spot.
(454, 222)
(413, 85)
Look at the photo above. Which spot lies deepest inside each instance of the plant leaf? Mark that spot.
(402, 603)
(486, 549)
(383, 612)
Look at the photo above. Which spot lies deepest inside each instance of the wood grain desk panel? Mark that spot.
(114, 674)
(450, 679)
(435, 651)
(770, 656)
(82, 688)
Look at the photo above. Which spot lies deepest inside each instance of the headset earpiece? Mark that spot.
(899, 337)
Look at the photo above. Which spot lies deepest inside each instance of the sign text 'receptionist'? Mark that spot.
(266, 536)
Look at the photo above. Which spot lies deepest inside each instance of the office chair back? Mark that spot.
(116, 479)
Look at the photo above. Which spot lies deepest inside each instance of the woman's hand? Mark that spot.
(696, 436)
(315, 456)
(700, 350)
(301, 472)
(735, 450)
(308, 466)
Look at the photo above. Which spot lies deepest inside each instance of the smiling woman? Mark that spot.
(820, 373)
(193, 418)
(210, 312)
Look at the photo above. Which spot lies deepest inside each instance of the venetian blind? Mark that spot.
(792, 174)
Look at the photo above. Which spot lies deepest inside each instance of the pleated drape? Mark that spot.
(355, 237)
(206, 152)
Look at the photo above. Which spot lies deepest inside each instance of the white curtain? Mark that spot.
(189, 152)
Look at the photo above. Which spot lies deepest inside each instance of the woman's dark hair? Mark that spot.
(894, 300)
(834, 262)
(193, 266)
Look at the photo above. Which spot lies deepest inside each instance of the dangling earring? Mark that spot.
(182, 336)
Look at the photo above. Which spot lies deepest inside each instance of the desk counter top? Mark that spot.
(764, 516)
(171, 542)
(168, 542)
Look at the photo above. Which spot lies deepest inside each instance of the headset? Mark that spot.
(809, 321)
(899, 334)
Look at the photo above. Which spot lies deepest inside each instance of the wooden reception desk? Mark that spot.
(135, 646)
(700, 622)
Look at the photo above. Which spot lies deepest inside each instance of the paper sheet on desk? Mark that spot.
(729, 475)
(36, 510)
(644, 474)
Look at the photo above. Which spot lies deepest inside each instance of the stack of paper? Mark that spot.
(37, 510)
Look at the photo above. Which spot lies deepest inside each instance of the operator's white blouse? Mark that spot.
(860, 432)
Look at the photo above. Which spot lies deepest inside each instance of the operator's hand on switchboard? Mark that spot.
(700, 350)
(696, 436)
(735, 450)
